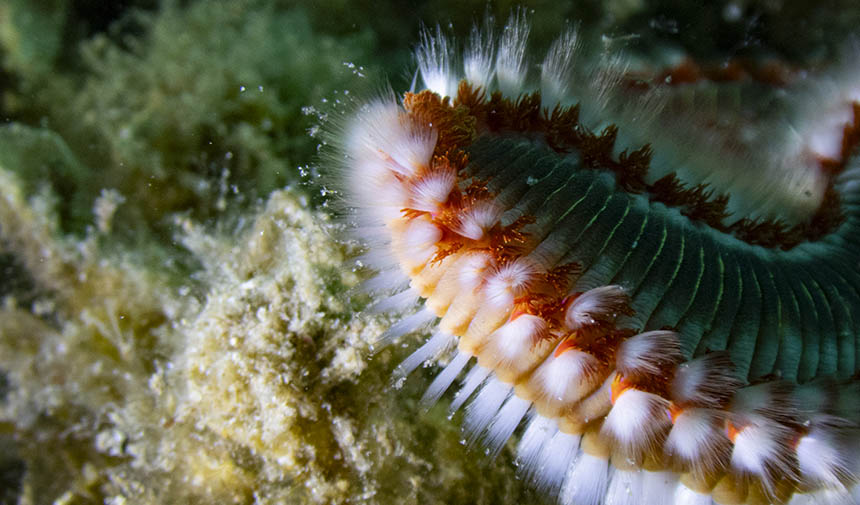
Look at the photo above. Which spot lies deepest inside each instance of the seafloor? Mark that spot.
(178, 322)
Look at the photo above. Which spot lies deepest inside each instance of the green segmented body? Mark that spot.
(786, 312)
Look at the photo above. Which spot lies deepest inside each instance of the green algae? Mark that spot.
(260, 389)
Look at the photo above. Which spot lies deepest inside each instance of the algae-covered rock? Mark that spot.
(251, 384)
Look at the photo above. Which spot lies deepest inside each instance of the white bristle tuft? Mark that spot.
(504, 424)
(539, 432)
(472, 268)
(484, 407)
(824, 459)
(555, 460)
(419, 241)
(708, 381)
(595, 306)
(406, 325)
(761, 449)
(635, 422)
(443, 381)
(557, 69)
(697, 442)
(431, 191)
(625, 488)
(648, 354)
(385, 133)
(514, 338)
(432, 348)
(478, 61)
(395, 303)
(434, 63)
(511, 58)
(659, 487)
(509, 281)
(568, 377)
(474, 378)
(585, 482)
(686, 496)
(476, 221)
(603, 84)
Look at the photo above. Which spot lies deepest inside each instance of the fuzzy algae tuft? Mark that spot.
(259, 388)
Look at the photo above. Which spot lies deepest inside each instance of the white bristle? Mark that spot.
(443, 381)
(585, 482)
(634, 422)
(824, 497)
(648, 354)
(510, 60)
(539, 432)
(625, 488)
(432, 348)
(509, 282)
(434, 63)
(419, 240)
(396, 303)
(708, 381)
(383, 259)
(478, 58)
(430, 192)
(383, 132)
(686, 496)
(476, 221)
(471, 270)
(566, 378)
(760, 449)
(698, 442)
(823, 458)
(603, 84)
(404, 326)
(557, 69)
(474, 378)
(555, 460)
(505, 422)
(484, 407)
(385, 281)
(772, 400)
(659, 487)
(516, 337)
(377, 189)
(595, 306)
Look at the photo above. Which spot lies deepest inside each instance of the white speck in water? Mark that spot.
(732, 12)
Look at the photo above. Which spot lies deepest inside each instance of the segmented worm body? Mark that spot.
(663, 295)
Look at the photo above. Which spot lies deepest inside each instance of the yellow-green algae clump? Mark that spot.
(166, 338)
(256, 388)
